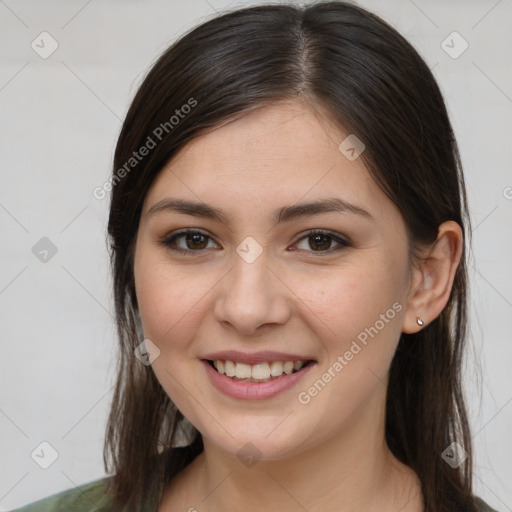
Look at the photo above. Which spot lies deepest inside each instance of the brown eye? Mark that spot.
(195, 241)
(322, 241)
(191, 241)
(318, 241)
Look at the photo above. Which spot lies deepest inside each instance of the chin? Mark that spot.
(259, 439)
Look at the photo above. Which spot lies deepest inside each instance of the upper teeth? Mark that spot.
(257, 371)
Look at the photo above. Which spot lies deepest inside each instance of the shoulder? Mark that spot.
(88, 497)
(483, 506)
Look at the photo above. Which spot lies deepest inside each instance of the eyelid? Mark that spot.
(341, 240)
(167, 240)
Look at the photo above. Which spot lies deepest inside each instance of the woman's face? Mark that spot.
(257, 292)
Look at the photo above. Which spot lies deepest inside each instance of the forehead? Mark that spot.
(279, 154)
(279, 131)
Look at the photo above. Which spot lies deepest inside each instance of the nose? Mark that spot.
(252, 297)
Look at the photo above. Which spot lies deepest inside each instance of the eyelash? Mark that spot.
(169, 242)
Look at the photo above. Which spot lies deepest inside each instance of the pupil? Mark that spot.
(196, 239)
(316, 238)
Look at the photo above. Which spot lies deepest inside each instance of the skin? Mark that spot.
(329, 454)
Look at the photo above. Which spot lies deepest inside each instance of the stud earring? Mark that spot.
(419, 321)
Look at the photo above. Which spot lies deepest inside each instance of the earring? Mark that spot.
(419, 321)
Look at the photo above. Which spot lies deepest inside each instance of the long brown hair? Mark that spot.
(372, 81)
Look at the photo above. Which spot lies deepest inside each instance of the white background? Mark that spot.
(60, 118)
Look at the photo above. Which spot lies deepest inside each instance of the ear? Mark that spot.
(432, 278)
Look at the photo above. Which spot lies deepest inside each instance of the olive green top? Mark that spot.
(92, 497)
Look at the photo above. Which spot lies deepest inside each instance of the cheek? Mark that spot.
(168, 298)
(349, 298)
(358, 311)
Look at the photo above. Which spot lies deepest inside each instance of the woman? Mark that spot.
(288, 239)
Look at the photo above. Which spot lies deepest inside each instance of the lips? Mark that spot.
(257, 375)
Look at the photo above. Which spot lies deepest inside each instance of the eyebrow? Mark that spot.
(283, 214)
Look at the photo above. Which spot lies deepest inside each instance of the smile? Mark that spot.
(262, 372)
(255, 376)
